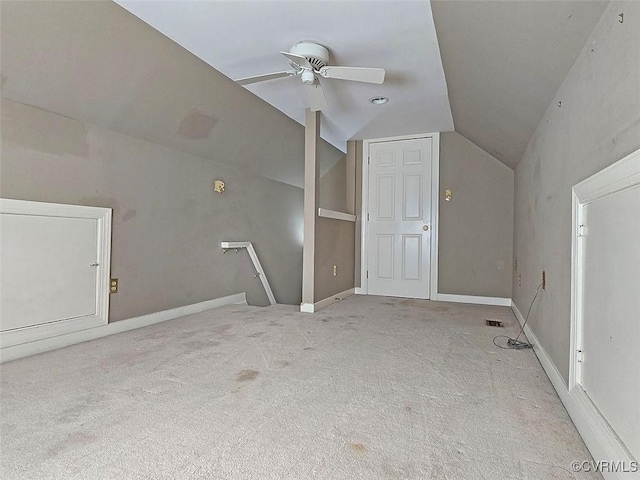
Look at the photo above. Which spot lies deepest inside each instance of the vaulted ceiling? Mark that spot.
(244, 38)
(503, 60)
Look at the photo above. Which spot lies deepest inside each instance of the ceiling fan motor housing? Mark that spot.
(316, 54)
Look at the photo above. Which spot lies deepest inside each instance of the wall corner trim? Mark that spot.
(53, 343)
(499, 301)
(602, 442)
(314, 307)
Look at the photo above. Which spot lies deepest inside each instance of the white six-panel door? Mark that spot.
(399, 218)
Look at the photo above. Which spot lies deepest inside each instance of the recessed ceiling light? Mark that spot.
(379, 100)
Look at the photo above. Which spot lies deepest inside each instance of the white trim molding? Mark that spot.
(622, 175)
(600, 439)
(326, 213)
(598, 435)
(102, 217)
(435, 213)
(447, 297)
(435, 188)
(256, 263)
(314, 307)
(60, 341)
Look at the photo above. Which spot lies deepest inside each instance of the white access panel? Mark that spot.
(610, 367)
(54, 269)
(399, 219)
(47, 272)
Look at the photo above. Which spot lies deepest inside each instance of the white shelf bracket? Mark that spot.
(226, 246)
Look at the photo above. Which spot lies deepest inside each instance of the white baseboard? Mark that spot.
(34, 333)
(39, 346)
(359, 291)
(306, 307)
(598, 436)
(499, 301)
(314, 307)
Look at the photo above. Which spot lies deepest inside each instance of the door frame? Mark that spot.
(102, 216)
(622, 175)
(598, 435)
(435, 186)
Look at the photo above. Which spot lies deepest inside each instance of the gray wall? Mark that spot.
(100, 109)
(475, 240)
(335, 239)
(334, 246)
(333, 187)
(593, 121)
(167, 221)
(96, 62)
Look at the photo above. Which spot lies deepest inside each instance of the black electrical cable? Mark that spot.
(513, 343)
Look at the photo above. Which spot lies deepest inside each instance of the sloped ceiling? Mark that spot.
(504, 62)
(244, 38)
(95, 62)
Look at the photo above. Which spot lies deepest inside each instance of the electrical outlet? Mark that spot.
(113, 285)
(544, 280)
(335, 270)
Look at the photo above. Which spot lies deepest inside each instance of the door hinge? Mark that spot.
(368, 160)
(367, 273)
(582, 230)
(579, 356)
(367, 217)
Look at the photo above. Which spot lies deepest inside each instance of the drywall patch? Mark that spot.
(36, 129)
(129, 215)
(197, 125)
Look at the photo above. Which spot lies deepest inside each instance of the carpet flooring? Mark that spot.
(369, 388)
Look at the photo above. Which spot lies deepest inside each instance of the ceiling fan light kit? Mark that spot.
(309, 60)
(307, 77)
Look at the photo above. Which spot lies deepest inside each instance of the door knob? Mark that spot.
(425, 227)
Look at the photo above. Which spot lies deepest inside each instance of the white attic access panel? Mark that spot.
(606, 309)
(55, 269)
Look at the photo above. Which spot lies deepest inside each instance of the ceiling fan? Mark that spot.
(309, 61)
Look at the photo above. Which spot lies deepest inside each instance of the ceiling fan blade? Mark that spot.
(356, 74)
(298, 60)
(265, 77)
(315, 96)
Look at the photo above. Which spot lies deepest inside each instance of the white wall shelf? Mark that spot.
(326, 213)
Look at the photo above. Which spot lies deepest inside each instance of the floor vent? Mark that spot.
(494, 323)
